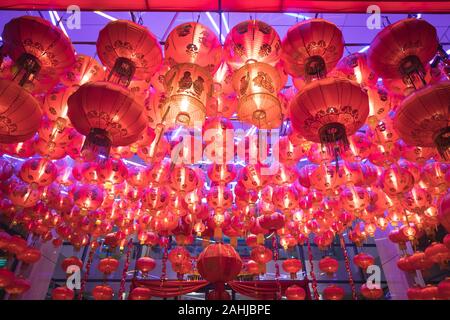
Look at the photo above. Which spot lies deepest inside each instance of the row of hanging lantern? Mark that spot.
(100, 115)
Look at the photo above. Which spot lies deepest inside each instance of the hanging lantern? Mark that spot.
(129, 50)
(295, 292)
(62, 293)
(107, 115)
(402, 49)
(20, 113)
(192, 42)
(422, 119)
(356, 68)
(252, 41)
(292, 266)
(102, 292)
(328, 265)
(188, 88)
(363, 260)
(85, 69)
(140, 293)
(219, 263)
(328, 111)
(257, 85)
(374, 293)
(37, 47)
(312, 48)
(333, 292)
(39, 172)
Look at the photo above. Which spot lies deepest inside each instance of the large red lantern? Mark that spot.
(107, 115)
(145, 264)
(192, 42)
(128, 50)
(37, 47)
(140, 293)
(292, 266)
(312, 48)
(422, 119)
(356, 68)
(403, 49)
(374, 293)
(219, 263)
(363, 260)
(252, 41)
(18, 286)
(29, 255)
(108, 265)
(20, 113)
(328, 111)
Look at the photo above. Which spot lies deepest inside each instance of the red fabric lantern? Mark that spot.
(20, 113)
(102, 292)
(62, 293)
(18, 286)
(71, 261)
(444, 289)
(422, 119)
(107, 115)
(140, 294)
(261, 254)
(292, 266)
(145, 264)
(438, 253)
(356, 68)
(329, 110)
(333, 292)
(6, 278)
(39, 172)
(192, 42)
(402, 49)
(85, 69)
(312, 48)
(252, 41)
(128, 50)
(371, 294)
(328, 265)
(37, 47)
(363, 260)
(295, 292)
(108, 265)
(29, 255)
(219, 263)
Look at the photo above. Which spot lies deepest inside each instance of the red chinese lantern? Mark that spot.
(252, 267)
(140, 293)
(403, 49)
(29, 255)
(295, 292)
(333, 292)
(396, 180)
(129, 50)
(444, 289)
(20, 113)
(107, 115)
(414, 293)
(39, 172)
(112, 172)
(328, 111)
(419, 261)
(71, 261)
(219, 263)
(221, 173)
(102, 292)
(108, 265)
(272, 221)
(88, 196)
(188, 88)
(371, 293)
(356, 68)
(257, 86)
(328, 265)
(292, 266)
(312, 48)
(37, 47)
(422, 118)
(183, 179)
(261, 254)
(429, 293)
(145, 264)
(18, 286)
(85, 69)
(438, 253)
(178, 255)
(192, 42)
(252, 41)
(62, 293)
(446, 241)
(363, 260)
(6, 277)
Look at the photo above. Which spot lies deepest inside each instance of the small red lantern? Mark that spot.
(18, 286)
(328, 265)
(6, 278)
(292, 266)
(363, 260)
(62, 293)
(71, 261)
(140, 293)
(333, 292)
(108, 265)
(145, 264)
(29, 255)
(444, 289)
(371, 294)
(102, 292)
(295, 292)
